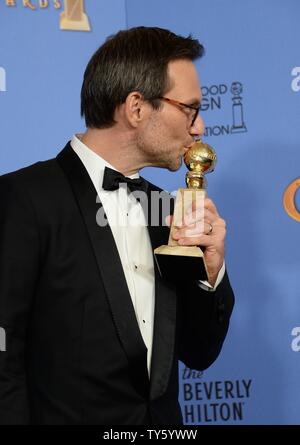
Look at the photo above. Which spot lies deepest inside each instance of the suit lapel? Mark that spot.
(109, 265)
(164, 318)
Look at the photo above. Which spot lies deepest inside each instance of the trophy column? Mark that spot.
(187, 262)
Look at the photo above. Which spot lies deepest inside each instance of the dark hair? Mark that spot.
(131, 60)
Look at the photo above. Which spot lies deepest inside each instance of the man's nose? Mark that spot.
(198, 127)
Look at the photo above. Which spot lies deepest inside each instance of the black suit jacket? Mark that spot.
(74, 351)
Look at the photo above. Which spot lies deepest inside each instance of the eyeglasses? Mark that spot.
(181, 105)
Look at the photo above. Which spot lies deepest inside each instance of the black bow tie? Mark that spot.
(112, 180)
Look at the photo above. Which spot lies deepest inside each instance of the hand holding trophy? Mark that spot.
(173, 260)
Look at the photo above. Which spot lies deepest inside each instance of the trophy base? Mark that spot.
(74, 25)
(177, 263)
(241, 129)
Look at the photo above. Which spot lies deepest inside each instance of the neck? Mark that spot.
(116, 146)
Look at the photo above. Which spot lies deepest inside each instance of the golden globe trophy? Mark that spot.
(175, 261)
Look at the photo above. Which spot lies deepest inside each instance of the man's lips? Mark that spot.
(186, 148)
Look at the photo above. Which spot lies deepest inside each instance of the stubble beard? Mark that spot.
(156, 155)
(155, 148)
(162, 159)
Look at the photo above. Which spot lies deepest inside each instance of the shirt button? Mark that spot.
(135, 266)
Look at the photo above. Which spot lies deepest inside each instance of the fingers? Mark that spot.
(190, 238)
(203, 220)
(168, 220)
(205, 210)
(192, 230)
(193, 217)
(202, 227)
(198, 216)
(209, 205)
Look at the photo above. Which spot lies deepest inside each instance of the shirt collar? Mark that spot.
(93, 162)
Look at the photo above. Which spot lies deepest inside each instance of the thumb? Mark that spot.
(168, 220)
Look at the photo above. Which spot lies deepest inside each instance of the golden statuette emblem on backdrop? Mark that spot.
(74, 18)
(187, 262)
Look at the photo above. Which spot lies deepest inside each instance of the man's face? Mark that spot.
(168, 133)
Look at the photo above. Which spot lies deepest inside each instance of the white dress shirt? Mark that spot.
(127, 222)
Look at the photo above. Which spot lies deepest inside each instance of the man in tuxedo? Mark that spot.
(93, 332)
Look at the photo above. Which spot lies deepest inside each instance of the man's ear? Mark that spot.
(134, 108)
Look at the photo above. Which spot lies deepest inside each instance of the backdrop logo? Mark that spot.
(2, 79)
(72, 18)
(295, 345)
(213, 401)
(289, 200)
(295, 85)
(215, 97)
(2, 340)
(35, 4)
